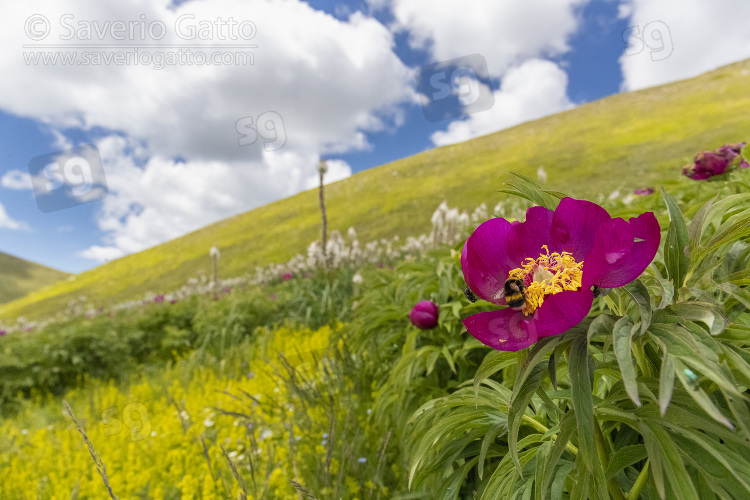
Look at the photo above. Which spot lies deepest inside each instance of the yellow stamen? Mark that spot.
(551, 274)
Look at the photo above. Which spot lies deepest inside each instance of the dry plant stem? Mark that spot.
(324, 238)
(380, 461)
(329, 443)
(100, 467)
(243, 493)
(291, 455)
(302, 490)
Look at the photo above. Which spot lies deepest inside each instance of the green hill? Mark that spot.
(18, 277)
(623, 141)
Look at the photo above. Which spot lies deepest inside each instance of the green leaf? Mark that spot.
(533, 191)
(679, 478)
(639, 293)
(622, 336)
(663, 288)
(449, 358)
(488, 439)
(698, 394)
(666, 383)
(567, 426)
(695, 229)
(494, 362)
(705, 313)
(602, 325)
(522, 395)
(583, 403)
(625, 457)
(676, 243)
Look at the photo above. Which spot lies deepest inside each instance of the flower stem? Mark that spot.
(614, 489)
(635, 491)
(541, 428)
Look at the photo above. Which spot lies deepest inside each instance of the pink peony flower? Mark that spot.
(545, 268)
(707, 164)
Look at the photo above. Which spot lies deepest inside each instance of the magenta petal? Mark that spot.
(575, 225)
(486, 261)
(606, 268)
(528, 237)
(561, 312)
(505, 330)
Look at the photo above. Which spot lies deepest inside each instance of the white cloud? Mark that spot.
(532, 90)
(683, 38)
(7, 222)
(16, 179)
(505, 33)
(514, 38)
(330, 81)
(101, 254)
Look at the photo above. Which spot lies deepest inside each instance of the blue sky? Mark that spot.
(344, 84)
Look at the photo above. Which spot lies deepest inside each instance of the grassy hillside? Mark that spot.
(623, 141)
(18, 277)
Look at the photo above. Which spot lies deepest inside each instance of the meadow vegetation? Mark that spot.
(320, 387)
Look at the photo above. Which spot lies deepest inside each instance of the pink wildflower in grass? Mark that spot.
(159, 299)
(287, 276)
(424, 315)
(644, 191)
(545, 268)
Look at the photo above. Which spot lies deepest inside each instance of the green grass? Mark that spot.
(18, 277)
(624, 141)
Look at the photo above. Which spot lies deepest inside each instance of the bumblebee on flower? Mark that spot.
(546, 268)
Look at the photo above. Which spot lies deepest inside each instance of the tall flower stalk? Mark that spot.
(322, 169)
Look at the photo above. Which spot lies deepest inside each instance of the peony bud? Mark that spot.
(424, 315)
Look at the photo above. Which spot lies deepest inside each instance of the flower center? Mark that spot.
(548, 274)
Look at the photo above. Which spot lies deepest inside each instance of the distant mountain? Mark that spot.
(19, 277)
(624, 141)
